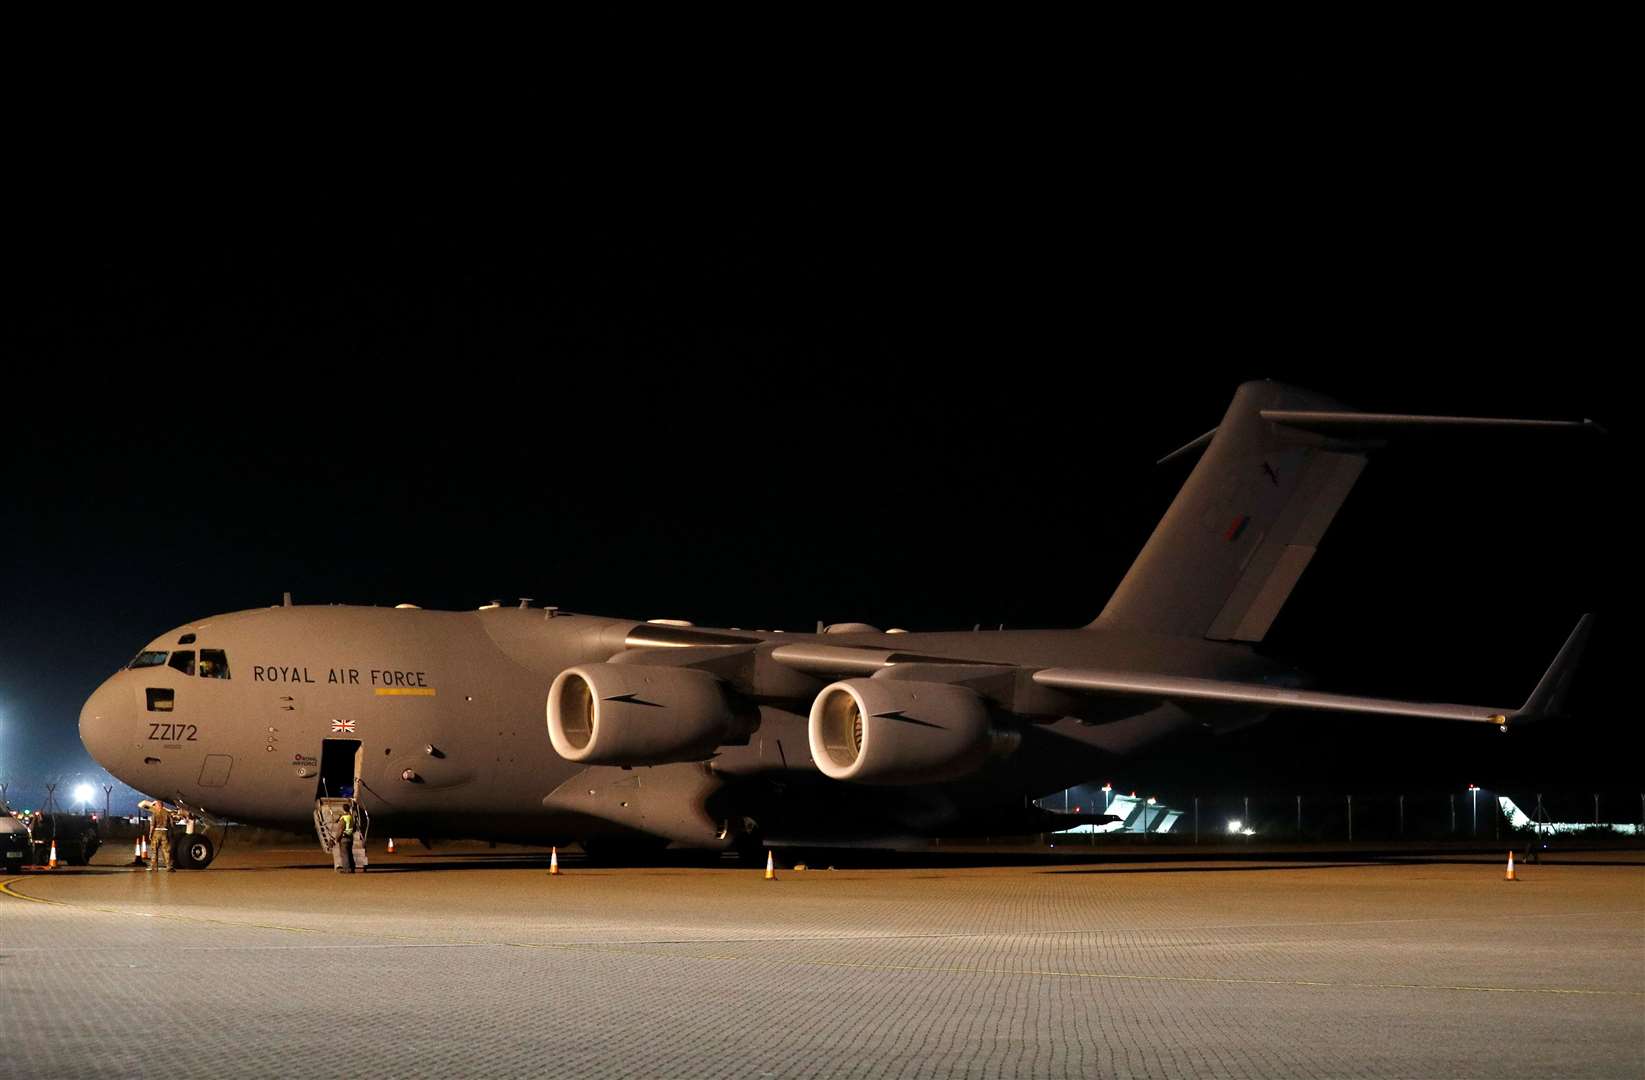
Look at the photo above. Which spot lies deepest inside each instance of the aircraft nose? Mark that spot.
(101, 720)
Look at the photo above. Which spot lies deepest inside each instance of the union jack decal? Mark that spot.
(342, 725)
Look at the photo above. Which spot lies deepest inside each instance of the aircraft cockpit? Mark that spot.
(212, 663)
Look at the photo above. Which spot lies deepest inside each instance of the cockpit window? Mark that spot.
(213, 664)
(186, 639)
(183, 660)
(149, 658)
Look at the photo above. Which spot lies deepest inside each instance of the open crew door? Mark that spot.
(340, 764)
(340, 761)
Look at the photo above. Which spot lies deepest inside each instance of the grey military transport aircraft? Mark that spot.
(661, 732)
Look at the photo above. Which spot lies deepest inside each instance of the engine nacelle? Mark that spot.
(896, 731)
(630, 714)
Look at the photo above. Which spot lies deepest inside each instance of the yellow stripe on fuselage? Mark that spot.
(405, 691)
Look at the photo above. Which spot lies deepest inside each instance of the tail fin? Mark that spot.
(1228, 552)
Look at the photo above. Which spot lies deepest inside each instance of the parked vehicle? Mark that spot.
(76, 836)
(14, 841)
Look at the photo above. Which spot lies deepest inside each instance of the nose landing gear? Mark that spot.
(193, 852)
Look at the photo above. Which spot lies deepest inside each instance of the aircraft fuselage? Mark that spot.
(447, 709)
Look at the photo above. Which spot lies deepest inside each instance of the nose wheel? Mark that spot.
(193, 852)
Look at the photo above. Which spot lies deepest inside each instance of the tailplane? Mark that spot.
(1246, 524)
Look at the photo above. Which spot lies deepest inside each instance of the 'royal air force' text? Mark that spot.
(340, 676)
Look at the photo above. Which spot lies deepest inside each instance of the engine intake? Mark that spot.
(630, 714)
(893, 731)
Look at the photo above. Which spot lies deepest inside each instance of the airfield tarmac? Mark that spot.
(475, 962)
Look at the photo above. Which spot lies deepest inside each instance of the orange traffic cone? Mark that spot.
(770, 867)
(391, 845)
(554, 860)
(137, 852)
(1510, 876)
(52, 862)
(145, 841)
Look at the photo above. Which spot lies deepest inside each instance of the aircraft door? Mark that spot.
(214, 772)
(340, 762)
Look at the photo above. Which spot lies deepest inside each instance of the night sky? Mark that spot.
(928, 402)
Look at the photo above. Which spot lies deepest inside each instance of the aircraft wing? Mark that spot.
(1180, 688)
(1545, 699)
(852, 661)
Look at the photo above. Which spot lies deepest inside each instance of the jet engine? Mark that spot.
(629, 714)
(896, 731)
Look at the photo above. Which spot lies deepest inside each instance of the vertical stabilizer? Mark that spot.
(1234, 543)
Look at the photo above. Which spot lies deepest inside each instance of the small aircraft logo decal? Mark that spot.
(342, 725)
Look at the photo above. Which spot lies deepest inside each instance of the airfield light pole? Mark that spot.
(1473, 790)
(1107, 804)
(1596, 808)
(1402, 815)
(1350, 819)
(108, 799)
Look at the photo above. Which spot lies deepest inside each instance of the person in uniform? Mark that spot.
(159, 836)
(359, 838)
(343, 841)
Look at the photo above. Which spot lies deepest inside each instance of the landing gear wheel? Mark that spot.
(194, 852)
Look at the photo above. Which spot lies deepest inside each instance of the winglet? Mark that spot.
(1549, 696)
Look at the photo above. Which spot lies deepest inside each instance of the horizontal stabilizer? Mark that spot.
(1184, 689)
(1347, 424)
(1188, 448)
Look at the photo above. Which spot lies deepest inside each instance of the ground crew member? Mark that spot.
(359, 848)
(159, 836)
(343, 842)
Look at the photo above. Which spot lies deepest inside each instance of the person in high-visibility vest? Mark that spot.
(343, 841)
(359, 837)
